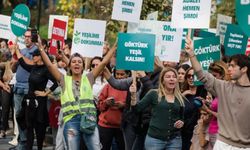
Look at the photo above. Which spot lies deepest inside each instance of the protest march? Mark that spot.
(124, 75)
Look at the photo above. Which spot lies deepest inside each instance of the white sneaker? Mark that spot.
(13, 142)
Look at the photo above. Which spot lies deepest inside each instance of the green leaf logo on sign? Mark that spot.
(77, 37)
(20, 19)
(243, 15)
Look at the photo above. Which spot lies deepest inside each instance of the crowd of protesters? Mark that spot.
(162, 109)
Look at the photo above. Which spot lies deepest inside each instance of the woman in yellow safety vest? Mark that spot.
(77, 98)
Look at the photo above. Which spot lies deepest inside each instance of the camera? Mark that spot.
(34, 36)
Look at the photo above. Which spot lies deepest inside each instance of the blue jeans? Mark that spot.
(157, 144)
(18, 98)
(73, 135)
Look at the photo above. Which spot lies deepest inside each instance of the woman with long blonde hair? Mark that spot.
(167, 112)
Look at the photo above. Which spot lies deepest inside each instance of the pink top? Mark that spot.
(213, 125)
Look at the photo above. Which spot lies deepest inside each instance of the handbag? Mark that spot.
(88, 122)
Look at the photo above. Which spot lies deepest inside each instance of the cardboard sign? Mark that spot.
(58, 34)
(207, 50)
(248, 47)
(135, 51)
(221, 28)
(235, 40)
(20, 19)
(204, 34)
(127, 10)
(171, 39)
(148, 27)
(88, 37)
(5, 31)
(51, 21)
(243, 15)
(191, 14)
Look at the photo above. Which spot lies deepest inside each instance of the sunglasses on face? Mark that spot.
(190, 75)
(94, 65)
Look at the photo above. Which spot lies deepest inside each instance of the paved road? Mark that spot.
(4, 145)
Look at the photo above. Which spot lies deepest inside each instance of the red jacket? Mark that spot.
(110, 116)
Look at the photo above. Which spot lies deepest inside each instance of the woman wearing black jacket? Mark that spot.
(135, 125)
(35, 104)
(191, 111)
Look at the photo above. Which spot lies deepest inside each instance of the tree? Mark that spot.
(102, 10)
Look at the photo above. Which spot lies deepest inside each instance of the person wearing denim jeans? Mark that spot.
(157, 144)
(167, 112)
(21, 87)
(73, 135)
(18, 97)
(77, 97)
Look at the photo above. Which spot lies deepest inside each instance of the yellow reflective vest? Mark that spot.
(71, 106)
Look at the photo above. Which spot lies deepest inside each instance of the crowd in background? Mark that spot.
(162, 109)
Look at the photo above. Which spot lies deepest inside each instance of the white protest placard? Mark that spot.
(171, 39)
(6, 33)
(191, 14)
(127, 10)
(221, 28)
(143, 26)
(51, 20)
(148, 27)
(152, 16)
(21, 42)
(88, 37)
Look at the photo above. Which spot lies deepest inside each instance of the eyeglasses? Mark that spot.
(94, 65)
(190, 75)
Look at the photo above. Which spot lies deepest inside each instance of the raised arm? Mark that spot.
(208, 79)
(119, 84)
(52, 68)
(19, 55)
(64, 57)
(189, 47)
(21, 59)
(96, 71)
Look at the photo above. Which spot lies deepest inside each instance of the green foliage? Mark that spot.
(164, 8)
(227, 7)
(43, 31)
(102, 10)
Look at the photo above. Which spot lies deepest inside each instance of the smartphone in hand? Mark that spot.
(34, 35)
